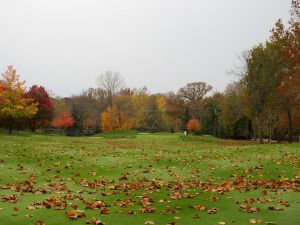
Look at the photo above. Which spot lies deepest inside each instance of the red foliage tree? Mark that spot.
(45, 107)
(2, 88)
(193, 125)
(63, 120)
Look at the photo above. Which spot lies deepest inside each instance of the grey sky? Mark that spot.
(162, 44)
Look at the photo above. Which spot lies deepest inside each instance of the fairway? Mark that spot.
(147, 179)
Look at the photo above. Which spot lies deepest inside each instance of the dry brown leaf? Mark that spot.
(39, 222)
(254, 221)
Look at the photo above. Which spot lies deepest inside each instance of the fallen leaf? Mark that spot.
(275, 208)
(28, 215)
(75, 214)
(199, 207)
(104, 211)
(196, 216)
(254, 221)
(95, 221)
(39, 222)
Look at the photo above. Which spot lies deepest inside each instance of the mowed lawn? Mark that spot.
(135, 178)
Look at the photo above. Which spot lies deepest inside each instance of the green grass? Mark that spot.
(118, 134)
(157, 166)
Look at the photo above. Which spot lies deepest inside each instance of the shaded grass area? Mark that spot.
(118, 134)
(220, 175)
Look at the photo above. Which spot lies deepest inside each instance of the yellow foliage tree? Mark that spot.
(13, 103)
(112, 119)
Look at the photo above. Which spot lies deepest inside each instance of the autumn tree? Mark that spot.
(2, 89)
(14, 104)
(233, 115)
(154, 115)
(210, 121)
(193, 94)
(63, 120)
(295, 11)
(262, 75)
(85, 113)
(99, 97)
(121, 115)
(124, 102)
(113, 119)
(112, 83)
(60, 105)
(45, 107)
(174, 112)
(288, 39)
(141, 107)
(193, 125)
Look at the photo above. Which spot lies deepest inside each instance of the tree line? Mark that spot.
(264, 103)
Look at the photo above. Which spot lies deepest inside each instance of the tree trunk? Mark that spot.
(10, 121)
(290, 124)
(249, 129)
(261, 140)
(270, 132)
(33, 125)
(10, 128)
(277, 134)
(260, 131)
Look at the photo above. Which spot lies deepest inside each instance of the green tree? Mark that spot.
(262, 76)
(211, 115)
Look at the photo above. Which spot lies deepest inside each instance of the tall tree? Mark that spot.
(141, 107)
(288, 39)
(85, 113)
(262, 76)
(174, 112)
(295, 11)
(193, 94)
(233, 114)
(112, 83)
(154, 116)
(211, 115)
(14, 104)
(45, 107)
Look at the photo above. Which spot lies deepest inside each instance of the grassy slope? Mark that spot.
(154, 156)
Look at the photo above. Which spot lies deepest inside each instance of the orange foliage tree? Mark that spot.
(112, 119)
(193, 125)
(14, 104)
(63, 120)
(288, 39)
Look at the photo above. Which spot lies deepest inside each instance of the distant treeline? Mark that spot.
(263, 103)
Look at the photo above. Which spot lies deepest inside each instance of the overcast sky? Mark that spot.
(65, 45)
